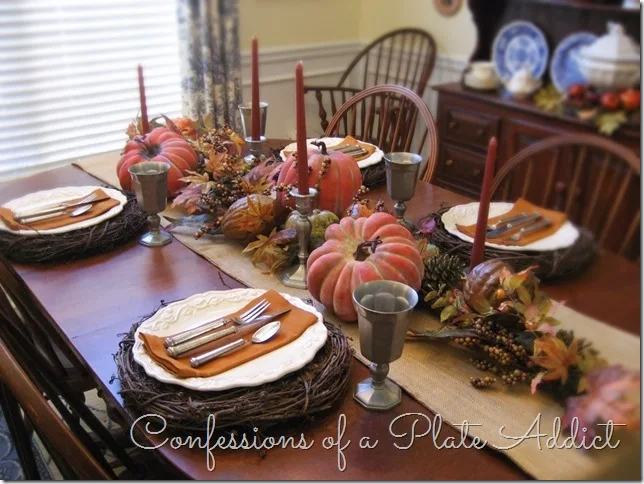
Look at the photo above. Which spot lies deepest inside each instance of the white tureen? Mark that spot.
(612, 61)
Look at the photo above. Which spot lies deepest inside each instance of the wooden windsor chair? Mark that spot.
(594, 180)
(398, 130)
(74, 437)
(23, 311)
(405, 57)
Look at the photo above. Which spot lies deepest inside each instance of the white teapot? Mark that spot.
(522, 83)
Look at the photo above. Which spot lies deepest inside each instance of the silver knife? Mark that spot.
(524, 220)
(541, 224)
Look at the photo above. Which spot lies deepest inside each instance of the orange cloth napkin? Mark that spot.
(349, 140)
(294, 323)
(521, 205)
(99, 208)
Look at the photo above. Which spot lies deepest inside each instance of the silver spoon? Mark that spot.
(75, 213)
(262, 335)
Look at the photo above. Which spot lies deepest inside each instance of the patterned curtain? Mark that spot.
(210, 60)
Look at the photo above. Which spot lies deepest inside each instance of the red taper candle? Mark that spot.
(302, 156)
(484, 205)
(254, 103)
(144, 107)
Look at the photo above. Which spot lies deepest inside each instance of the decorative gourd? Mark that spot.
(248, 217)
(484, 282)
(358, 251)
(335, 175)
(320, 220)
(160, 144)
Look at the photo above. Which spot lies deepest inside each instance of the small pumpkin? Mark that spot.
(335, 175)
(248, 217)
(320, 220)
(358, 251)
(484, 281)
(160, 144)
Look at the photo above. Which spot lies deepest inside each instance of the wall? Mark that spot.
(326, 35)
(455, 36)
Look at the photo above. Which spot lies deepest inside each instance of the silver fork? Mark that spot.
(189, 334)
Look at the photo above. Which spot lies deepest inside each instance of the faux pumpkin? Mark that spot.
(320, 220)
(484, 281)
(358, 251)
(335, 175)
(248, 217)
(160, 144)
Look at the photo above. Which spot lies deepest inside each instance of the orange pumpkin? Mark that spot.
(161, 144)
(338, 184)
(358, 251)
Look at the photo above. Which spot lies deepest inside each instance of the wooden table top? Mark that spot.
(96, 299)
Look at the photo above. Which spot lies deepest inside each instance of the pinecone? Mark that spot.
(442, 269)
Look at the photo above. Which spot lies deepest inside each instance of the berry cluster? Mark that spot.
(480, 383)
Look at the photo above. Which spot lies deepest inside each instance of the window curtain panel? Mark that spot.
(210, 60)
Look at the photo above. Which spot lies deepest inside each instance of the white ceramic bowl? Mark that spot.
(610, 74)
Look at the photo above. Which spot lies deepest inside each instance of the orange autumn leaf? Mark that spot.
(555, 357)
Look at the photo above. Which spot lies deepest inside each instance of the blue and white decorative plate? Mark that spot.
(564, 70)
(520, 44)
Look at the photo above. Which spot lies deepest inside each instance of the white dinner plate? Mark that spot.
(201, 308)
(37, 200)
(467, 214)
(374, 158)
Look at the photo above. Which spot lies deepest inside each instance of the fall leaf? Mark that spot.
(202, 180)
(549, 99)
(272, 252)
(555, 357)
(189, 198)
(611, 394)
(608, 123)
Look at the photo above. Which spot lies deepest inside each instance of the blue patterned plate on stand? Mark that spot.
(519, 44)
(564, 71)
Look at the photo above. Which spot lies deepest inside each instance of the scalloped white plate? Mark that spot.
(206, 306)
(467, 214)
(35, 201)
(376, 156)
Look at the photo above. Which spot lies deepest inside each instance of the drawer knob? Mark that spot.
(476, 171)
(449, 162)
(480, 132)
(452, 124)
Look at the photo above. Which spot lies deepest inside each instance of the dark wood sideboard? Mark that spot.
(467, 119)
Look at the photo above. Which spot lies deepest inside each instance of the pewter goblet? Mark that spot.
(150, 181)
(245, 111)
(402, 175)
(383, 309)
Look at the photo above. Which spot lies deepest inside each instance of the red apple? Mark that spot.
(610, 101)
(576, 91)
(630, 99)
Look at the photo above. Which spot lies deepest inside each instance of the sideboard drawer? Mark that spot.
(460, 169)
(468, 126)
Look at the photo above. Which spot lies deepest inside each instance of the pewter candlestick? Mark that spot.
(304, 204)
(383, 309)
(150, 182)
(402, 175)
(255, 146)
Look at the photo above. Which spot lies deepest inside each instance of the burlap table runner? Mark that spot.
(437, 375)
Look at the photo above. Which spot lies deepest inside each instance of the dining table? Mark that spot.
(95, 300)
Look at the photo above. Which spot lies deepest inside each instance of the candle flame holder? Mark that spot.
(256, 146)
(295, 276)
